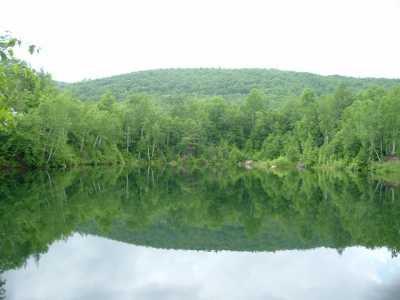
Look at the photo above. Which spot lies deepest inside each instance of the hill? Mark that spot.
(273, 236)
(224, 82)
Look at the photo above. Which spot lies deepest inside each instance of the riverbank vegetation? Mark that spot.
(349, 123)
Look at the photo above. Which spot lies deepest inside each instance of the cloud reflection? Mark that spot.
(96, 268)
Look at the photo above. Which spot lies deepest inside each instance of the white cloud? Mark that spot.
(90, 39)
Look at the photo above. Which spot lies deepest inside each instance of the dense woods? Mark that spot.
(190, 115)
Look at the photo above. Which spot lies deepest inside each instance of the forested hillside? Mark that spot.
(230, 83)
(321, 121)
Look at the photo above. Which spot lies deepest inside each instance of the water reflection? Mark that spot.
(289, 236)
(96, 268)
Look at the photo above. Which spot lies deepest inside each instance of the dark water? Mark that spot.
(226, 234)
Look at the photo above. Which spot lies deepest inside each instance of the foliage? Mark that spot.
(340, 119)
(230, 83)
(388, 171)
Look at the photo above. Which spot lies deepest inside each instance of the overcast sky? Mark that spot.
(94, 38)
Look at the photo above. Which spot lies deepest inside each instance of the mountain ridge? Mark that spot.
(229, 83)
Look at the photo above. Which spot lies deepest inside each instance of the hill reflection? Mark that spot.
(199, 210)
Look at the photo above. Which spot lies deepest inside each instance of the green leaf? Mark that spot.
(12, 42)
(32, 49)
(10, 52)
(3, 56)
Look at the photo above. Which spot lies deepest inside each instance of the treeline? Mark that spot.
(41, 126)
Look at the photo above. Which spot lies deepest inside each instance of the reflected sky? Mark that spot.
(90, 267)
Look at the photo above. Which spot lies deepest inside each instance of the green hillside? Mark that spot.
(273, 236)
(170, 116)
(223, 82)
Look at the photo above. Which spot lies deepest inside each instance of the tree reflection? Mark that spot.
(193, 209)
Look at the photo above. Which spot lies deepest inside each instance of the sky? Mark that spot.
(94, 38)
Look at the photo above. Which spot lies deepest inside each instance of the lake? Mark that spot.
(169, 233)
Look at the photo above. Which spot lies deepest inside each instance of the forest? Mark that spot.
(196, 116)
(232, 84)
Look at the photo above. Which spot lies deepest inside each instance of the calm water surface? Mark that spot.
(168, 234)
